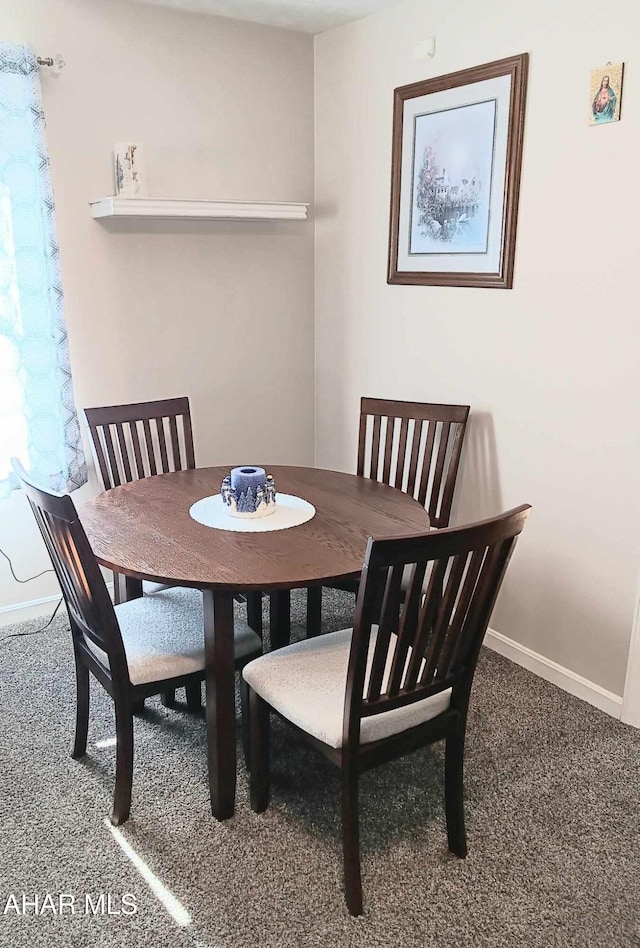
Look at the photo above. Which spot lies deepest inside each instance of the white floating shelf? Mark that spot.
(198, 210)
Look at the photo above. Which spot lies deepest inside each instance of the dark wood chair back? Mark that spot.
(91, 613)
(415, 447)
(434, 643)
(139, 440)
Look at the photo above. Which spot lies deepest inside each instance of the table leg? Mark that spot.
(254, 612)
(132, 588)
(314, 611)
(280, 618)
(221, 715)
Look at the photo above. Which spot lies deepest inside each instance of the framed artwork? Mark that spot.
(606, 94)
(455, 176)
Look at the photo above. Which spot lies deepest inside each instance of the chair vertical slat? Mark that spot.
(388, 617)
(188, 442)
(74, 565)
(448, 653)
(456, 439)
(69, 553)
(137, 451)
(426, 619)
(426, 463)
(42, 519)
(113, 461)
(375, 448)
(102, 461)
(415, 450)
(65, 560)
(151, 453)
(388, 447)
(402, 451)
(407, 630)
(124, 452)
(362, 442)
(443, 618)
(162, 442)
(175, 443)
(436, 485)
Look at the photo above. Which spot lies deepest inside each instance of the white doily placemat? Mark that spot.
(291, 511)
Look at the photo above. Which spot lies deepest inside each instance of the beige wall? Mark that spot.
(221, 312)
(550, 367)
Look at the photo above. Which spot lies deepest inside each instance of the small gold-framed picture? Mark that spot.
(606, 94)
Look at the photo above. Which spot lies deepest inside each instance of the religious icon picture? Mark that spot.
(606, 94)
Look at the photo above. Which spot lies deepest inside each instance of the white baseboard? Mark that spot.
(558, 675)
(32, 608)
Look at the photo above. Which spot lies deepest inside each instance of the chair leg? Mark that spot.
(254, 612)
(246, 725)
(124, 764)
(82, 710)
(351, 840)
(259, 735)
(193, 692)
(168, 698)
(137, 707)
(454, 794)
(314, 611)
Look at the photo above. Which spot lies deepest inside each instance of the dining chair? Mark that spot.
(413, 446)
(397, 681)
(134, 649)
(140, 440)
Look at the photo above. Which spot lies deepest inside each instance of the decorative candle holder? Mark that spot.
(249, 492)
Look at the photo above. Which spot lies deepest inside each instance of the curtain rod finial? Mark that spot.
(56, 63)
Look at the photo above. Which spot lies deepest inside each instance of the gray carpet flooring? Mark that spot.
(552, 794)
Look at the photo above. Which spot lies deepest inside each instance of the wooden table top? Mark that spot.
(144, 529)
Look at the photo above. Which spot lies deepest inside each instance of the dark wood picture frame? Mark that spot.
(516, 67)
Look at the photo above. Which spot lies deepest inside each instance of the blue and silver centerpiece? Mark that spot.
(249, 492)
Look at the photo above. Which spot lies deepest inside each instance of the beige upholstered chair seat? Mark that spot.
(306, 683)
(163, 635)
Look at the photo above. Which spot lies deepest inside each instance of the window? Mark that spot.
(38, 420)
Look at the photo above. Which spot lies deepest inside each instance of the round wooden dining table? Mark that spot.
(144, 530)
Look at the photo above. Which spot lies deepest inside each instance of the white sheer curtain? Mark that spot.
(38, 420)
